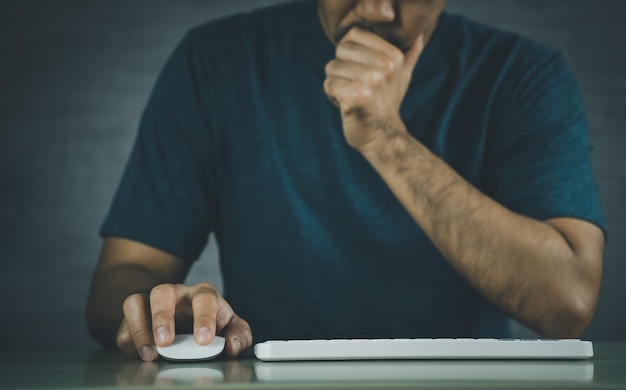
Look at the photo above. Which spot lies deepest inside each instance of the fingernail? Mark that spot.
(162, 334)
(148, 353)
(203, 334)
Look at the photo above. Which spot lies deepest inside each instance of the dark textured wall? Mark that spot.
(75, 75)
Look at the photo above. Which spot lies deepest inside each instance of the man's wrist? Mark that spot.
(393, 145)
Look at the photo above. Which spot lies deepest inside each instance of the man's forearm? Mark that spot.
(108, 291)
(523, 265)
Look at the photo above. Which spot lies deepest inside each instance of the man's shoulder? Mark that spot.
(477, 41)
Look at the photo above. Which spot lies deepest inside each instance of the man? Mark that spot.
(370, 168)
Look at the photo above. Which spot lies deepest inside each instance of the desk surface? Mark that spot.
(102, 369)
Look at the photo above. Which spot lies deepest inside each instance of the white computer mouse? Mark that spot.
(185, 347)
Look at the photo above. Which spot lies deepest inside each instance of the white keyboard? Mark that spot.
(363, 349)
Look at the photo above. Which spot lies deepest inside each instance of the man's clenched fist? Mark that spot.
(368, 80)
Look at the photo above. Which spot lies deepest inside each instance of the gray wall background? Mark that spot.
(75, 75)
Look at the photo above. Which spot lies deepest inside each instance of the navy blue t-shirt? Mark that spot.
(239, 139)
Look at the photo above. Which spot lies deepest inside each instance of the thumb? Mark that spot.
(413, 54)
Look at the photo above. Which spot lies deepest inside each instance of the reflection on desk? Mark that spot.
(112, 369)
(426, 371)
(209, 374)
(192, 374)
(203, 375)
(197, 376)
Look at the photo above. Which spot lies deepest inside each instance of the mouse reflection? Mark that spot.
(189, 375)
(200, 374)
(107, 368)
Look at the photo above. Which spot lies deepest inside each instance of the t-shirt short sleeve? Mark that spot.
(166, 198)
(543, 164)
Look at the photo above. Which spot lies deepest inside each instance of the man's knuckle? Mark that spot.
(398, 57)
(344, 49)
(388, 63)
(162, 290)
(160, 317)
(247, 334)
(331, 86)
(340, 50)
(140, 335)
(353, 33)
(205, 318)
(373, 76)
(205, 285)
(330, 67)
(132, 302)
(363, 92)
(327, 86)
(207, 288)
(123, 339)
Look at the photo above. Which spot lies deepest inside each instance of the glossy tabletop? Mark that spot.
(102, 369)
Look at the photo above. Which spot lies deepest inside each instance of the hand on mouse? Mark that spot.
(368, 80)
(154, 319)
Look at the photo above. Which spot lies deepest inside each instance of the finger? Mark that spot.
(360, 54)
(163, 307)
(413, 54)
(136, 310)
(367, 48)
(124, 340)
(355, 72)
(347, 93)
(368, 39)
(205, 301)
(238, 336)
(381, 62)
